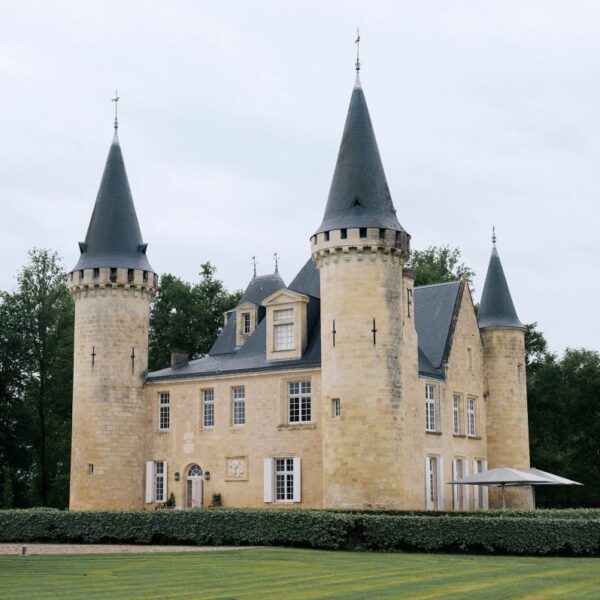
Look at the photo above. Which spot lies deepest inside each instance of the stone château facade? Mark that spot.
(347, 388)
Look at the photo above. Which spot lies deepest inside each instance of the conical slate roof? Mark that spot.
(114, 238)
(359, 194)
(496, 308)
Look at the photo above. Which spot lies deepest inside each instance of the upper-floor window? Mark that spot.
(238, 399)
(299, 402)
(246, 323)
(208, 408)
(284, 329)
(456, 428)
(430, 408)
(336, 407)
(471, 417)
(164, 411)
(469, 358)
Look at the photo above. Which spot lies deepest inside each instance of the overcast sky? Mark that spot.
(231, 115)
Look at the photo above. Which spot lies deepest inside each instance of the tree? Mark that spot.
(187, 316)
(36, 349)
(438, 264)
(536, 346)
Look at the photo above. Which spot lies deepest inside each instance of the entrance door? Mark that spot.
(195, 487)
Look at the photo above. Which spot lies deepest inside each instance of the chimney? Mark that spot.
(179, 358)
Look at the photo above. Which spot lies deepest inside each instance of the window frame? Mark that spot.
(303, 397)
(246, 323)
(287, 322)
(162, 478)
(431, 416)
(164, 411)
(238, 405)
(471, 416)
(208, 404)
(287, 475)
(457, 414)
(336, 408)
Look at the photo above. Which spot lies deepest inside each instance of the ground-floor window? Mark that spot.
(434, 485)
(282, 479)
(156, 481)
(460, 493)
(480, 492)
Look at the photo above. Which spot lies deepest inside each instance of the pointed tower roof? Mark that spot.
(114, 238)
(359, 194)
(497, 308)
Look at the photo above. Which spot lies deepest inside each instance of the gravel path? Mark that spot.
(107, 548)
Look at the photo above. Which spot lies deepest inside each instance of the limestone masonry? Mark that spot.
(347, 388)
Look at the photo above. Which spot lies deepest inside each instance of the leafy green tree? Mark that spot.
(536, 346)
(187, 316)
(438, 264)
(36, 348)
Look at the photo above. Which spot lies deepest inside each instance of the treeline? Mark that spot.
(36, 378)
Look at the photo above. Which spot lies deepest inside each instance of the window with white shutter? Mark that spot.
(268, 479)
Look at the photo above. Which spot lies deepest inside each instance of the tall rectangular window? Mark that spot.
(284, 479)
(471, 418)
(284, 329)
(299, 402)
(208, 408)
(246, 323)
(456, 424)
(164, 411)
(430, 416)
(433, 497)
(238, 405)
(336, 408)
(159, 482)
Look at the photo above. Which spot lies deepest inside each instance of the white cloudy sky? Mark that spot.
(231, 115)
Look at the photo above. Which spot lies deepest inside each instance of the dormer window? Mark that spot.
(246, 323)
(283, 321)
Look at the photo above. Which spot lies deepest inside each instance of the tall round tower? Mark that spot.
(360, 250)
(503, 338)
(112, 285)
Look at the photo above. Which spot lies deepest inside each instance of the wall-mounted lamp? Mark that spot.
(207, 475)
(176, 476)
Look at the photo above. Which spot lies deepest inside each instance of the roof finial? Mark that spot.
(116, 101)
(276, 259)
(254, 263)
(357, 42)
(494, 235)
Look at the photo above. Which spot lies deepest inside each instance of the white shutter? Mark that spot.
(268, 479)
(297, 480)
(466, 487)
(441, 483)
(475, 488)
(454, 487)
(149, 481)
(428, 503)
(166, 482)
(485, 490)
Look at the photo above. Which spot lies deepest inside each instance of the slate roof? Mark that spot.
(497, 308)
(435, 309)
(262, 286)
(114, 238)
(359, 195)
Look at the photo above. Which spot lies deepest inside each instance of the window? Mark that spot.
(460, 493)
(362, 232)
(239, 405)
(430, 417)
(164, 411)
(469, 358)
(90, 469)
(208, 408)
(327, 236)
(96, 273)
(284, 479)
(80, 275)
(480, 492)
(434, 488)
(456, 428)
(159, 482)
(299, 403)
(471, 418)
(284, 329)
(130, 275)
(145, 276)
(113, 275)
(343, 234)
(382, 234)
(336, 409)
(246, 323)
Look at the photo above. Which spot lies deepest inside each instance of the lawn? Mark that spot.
(293, 574)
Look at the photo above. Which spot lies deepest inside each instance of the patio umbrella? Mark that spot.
(552, 479)
(502, 477)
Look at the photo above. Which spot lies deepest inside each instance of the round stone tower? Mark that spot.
(112, 285)
(360, 250)
(503, 338)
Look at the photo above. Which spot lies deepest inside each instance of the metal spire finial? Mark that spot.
(254, 263)
(494, 235)
(116, 101)
(357, 42)
(276, 259)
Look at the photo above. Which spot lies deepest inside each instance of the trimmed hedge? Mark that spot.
(511, 532)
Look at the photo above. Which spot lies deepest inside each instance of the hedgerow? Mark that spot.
(552, 532)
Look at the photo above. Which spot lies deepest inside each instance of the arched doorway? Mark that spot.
(194, 487)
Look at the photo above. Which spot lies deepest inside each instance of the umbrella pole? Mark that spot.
(503, 497)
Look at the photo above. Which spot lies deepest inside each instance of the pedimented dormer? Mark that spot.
(286, 324)
(246, 319)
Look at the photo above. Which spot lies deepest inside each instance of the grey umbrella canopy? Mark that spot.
(552, 479)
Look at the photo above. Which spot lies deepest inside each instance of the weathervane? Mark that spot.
(276, 259)
(357, 42)
(116, 101)
(494, 235)
(254, 263)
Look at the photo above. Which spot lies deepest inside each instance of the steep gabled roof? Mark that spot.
(497, 308)
(114, 238)
(262, 286)
(359, 195)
